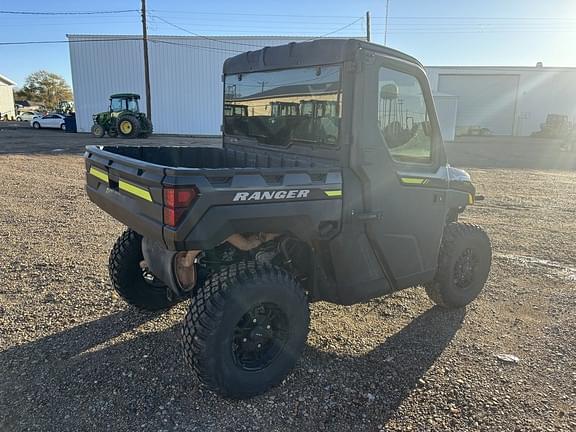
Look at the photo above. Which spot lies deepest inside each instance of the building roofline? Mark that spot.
(7, 80)
(219, 37)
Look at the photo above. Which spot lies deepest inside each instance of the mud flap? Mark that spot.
(160, 262)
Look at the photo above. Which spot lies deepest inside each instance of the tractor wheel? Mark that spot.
(97, 130)
(134, 285)
(245, 329)
(463, 266)
(128, 126)
(112, 133)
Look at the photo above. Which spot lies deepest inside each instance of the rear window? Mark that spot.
(279, 107)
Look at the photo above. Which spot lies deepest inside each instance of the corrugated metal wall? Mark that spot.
(6, 101)
(185, 77)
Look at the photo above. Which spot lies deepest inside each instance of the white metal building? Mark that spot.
(507, 100)
(6, 97)
(185, 76)
(186, 87)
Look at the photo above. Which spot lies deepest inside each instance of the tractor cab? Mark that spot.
(124, 102)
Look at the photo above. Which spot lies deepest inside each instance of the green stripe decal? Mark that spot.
(135, 190)
(99, 174)
(333, 193)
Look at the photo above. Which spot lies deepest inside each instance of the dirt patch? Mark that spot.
(551, 269)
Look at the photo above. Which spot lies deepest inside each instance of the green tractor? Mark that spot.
(123, 119)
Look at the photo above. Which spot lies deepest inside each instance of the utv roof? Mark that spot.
(125, 95)
(310, 53)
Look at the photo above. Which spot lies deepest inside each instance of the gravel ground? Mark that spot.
(74, 357)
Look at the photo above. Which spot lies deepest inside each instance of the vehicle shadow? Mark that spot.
(67, 381)
(396, 368)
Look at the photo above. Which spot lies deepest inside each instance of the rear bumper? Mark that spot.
(124, 209)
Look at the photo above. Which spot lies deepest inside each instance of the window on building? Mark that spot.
(403, 117)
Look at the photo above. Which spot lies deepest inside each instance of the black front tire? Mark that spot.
(36, 125)
(128, 279)
(236, 309)
(463, 266)
(97, 130)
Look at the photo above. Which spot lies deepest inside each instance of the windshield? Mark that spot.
(121, 104)
(132, 105)
(279, 107)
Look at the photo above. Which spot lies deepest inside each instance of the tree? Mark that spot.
(46, 88)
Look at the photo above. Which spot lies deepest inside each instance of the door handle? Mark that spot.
(368, 216)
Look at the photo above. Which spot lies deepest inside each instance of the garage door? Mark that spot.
(488, 101)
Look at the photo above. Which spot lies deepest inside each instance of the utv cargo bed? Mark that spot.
(136, 185)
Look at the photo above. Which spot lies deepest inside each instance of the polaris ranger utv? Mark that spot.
(343, 194)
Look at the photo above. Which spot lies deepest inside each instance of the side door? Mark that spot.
(49, 121)
(403, 168)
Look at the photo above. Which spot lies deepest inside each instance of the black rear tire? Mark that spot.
(236, 309)
(128, 126)
(128, 279)
(463, 266)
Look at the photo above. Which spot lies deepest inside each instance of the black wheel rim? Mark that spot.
(465, 269)
(259, 337)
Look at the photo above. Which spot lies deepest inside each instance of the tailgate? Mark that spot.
(128, 189)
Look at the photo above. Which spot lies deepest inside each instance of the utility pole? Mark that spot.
(262, 83)
(368, 26)
(386, 22)
(146, 66)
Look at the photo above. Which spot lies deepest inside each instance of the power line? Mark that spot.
(6, 12)
(253, 24)
(245, 44)
(340, 29)
(194, 46)
(254, 14)
(473, 18)
(478, 31)
(136, 38)
(202, 36)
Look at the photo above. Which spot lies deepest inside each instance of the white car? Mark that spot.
(55, 121)
(27, 115)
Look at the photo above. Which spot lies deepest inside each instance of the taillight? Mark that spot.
(176, 202)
